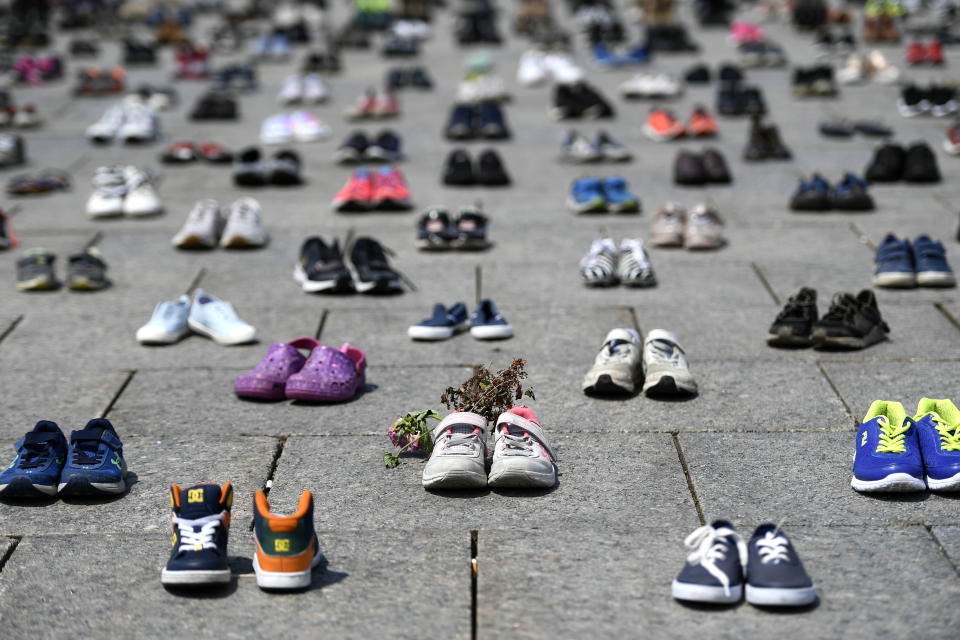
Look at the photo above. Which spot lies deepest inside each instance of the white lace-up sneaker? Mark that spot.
(704, 229)
(459, 455)
(599, 267)
(109, 187)
(665, 369)
(277, 129)
(140, 124)
(853, 70)
(291, 91)
(202, 228)
(315, 90)
(521, 455)
(562, 68)
(141, 198)
(669, 226)
(616, 368)
(244, 228)
(217, 319)
(306, 127)
(105, 129)
(649, 84)
(531, 70)
(634, 268)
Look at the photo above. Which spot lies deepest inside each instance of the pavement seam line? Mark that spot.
(274, 463)
(9, 329)
(943, 550)
(863, 237)
(116, 396)
(478, 284)
(196, 281)
(13, 547)
(92, 242)
(675, 436)
(757, 271)
(942, 308)
(321, 324)
(829, 380)
(633, 318)
(474, 552)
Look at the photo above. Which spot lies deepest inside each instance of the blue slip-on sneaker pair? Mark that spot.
(593, 195)
(902, 265)
(206, 315)
(91, 465)
(485, 323)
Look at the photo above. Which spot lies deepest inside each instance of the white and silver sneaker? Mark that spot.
(202, 228)
(599, 267)
(140, 124)
(168, 324)
(521, 455)
(291, 91)
(109, 188)
(105, 129)
(665, 368)
(616, 369)
(459, 455)
(217, 319)
(244, 228)
(141, 198)
(315, 90)
(579, 149)
(634, 268)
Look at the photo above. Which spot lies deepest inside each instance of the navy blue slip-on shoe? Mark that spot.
(35, 472)
(435, 230)
(811, 195)
(492, 124)
(775, 575)
(713, 571)
(486, 323)
(443, 324)
(201, 526)
(850, 194)
(895, 264)
(933, 270)
(386, 148)
(95, 464)
(461, 124)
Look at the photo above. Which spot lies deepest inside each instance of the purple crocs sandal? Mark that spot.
(266, 381)
(330, 375)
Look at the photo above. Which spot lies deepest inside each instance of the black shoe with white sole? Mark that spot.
(850, 323)
(714, 569)
(775, 575)
(371, 271)
(321, 269)
(795, 321)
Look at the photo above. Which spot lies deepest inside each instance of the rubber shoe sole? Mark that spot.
(23, 488)
(944, 484)
(286, 581)
(822, 341)
(667, 385)
(187, 578)
(784, 337)
(893, 483)
(706, 593)
(895, 279)
(780, 597)
(80, 486)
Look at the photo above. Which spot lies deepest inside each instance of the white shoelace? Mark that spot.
(665, 352)
(191, 540)
(707, 548)
(517, 441)
(772, 548)
(460, 439)
(109, 181)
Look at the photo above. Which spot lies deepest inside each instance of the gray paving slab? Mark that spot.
(860, 383)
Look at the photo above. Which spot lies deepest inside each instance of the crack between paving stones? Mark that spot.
(274, 463)
(9, 329)
(945, 202)
(633, 318)
(196, 281)
(757, 271)
(474, 546)
(829, 380)
(863, 237)
(321, 324)
(686, 473)
(943, 550)
(13, 547)
(116, 396)
(478, 284)
(92, 242)
(942, 308)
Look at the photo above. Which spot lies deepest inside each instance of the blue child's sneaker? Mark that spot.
(168, 324)
(486, 323)
(938, 429)
(201, 526)
(95, 464)
(933, 270)
(714, 568)
(35, 472)
(443, 324)
(811, 195)
(887, 454)
(618, 196)
(586, 196)
(895, 264)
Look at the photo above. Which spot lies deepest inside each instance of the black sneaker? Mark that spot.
(850, 194)
(491, 123)
(249, 168)
(285, 168)
(836, 129)
(812, 195)
(756, 149)
(730, 73)
(821, 81)
(697, 74)
(594, 104)
(802, 82)
(321, 268)
(913, 101)
(850, 323)
(419, 79)
(713, 571)
(459, 169)
(397, 79)
(386, 148)
(688, 169)
(920, 164)
(872, 129)
(471, 230)
(490, 170)
(353, 149)
(461, 124)
(35, 271)
(435, 230)
(372, 272)
(775, 575)
(887, 164)
(730, 99)
(87, 271)
(566, 105)
(753, 102)
(776, 149)
(715, 167)
(794, 323)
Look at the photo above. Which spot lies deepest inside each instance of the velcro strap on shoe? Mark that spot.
(473, 420)
(536, 431)
(39, 438)
(87, 434)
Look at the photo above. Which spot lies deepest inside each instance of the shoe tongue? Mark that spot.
(200, 500)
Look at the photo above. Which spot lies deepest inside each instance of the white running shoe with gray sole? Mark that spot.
(665, 368)
(244, 228)
(202, 228)
(459, 458)
(616, 368)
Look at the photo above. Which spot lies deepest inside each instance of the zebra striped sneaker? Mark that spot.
(634, 268)
(599, 267)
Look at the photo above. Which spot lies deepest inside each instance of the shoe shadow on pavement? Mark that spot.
(368, 388)
(891, 496)
(723, 606)
(205, 591)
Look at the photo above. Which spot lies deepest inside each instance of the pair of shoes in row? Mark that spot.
(252, 169)
(938, 100)
(46, 181)
(381, 189)
(816, 194)
(327, 375)
(320, 62)
(472, 121)
(206, 227)
(579, 149)
(322, 268)
(185, 152)
(605, 265)
(575, 100)
(816, 81)
(205, 315)
(91, 464)
(850, 323)
(374, 105)
(858, 67)
(485, 323)
(651, 85)
(930, 53)
(699, 229)
(308, 88)
(602, 195)
(22, 118)
(764, 143)
(358, 148)
(415, 77)
(123, 191)
(662, 125)
(132, 123)
(892, 162)
(86, 271)
(438, 231)
(894, 452)
(604, 56)
(625, 360)
(761, 53)
(537, 66)
(901, 265)
(735, 98)
(522, 457)
(692, 169)
(287, 549)
(488, 170)
(720, 564)
(298, 126)
(700, 74)
(92, 81)
(844, 128)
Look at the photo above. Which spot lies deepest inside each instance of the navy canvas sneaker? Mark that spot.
(714, 568)
(443, 324)
(486, 323)
(933, 270)
(895, 264)
(775, 575)
(201, 525)
(435, 230)
(35, 472)
(95, 464)
(811, 195)
(461, 125)
(887, 451)
(850, 194)
(387, 147)
(938, 430)
(491, 122)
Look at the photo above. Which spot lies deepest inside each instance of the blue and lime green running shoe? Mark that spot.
(887, 454)
(95, 464)
(35, 472)
(938, 429)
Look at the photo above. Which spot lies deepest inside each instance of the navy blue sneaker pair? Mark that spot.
(91, 465)
(901, 265)
(483, 120)
(720, 564)
(816, 194)
(485, 323)
(605, 57)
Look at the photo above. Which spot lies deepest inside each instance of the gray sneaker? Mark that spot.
(202, 227)
(617, 367)
(522, 458)
(459, 455)
(704, 229)
(244, 228)
(35, 271)
(668, 226)
(665, 369)
(87, 271)
(634, 268)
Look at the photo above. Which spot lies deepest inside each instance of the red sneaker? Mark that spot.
(661, 125)
(366, 107)
(935, 52)
(387, 105)
(390, 190)
(701, 123)
(916, 52)
(951, 143)
(357, 194)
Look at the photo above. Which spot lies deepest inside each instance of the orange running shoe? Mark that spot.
(702, 124)
(287, 547)
(661, 126)
(357, 194)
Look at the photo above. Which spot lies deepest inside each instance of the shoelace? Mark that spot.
(842, 308)
(194, 540)
(891, 437)
(704, 219)
(109, 180)
(708, 547)
(460, 438)
(87, 452)
(793, 310)
(665, 352)
(205, 209)
(35, 456)
(138, 178)
(949, 433)
(773, 548)
(517, 442)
